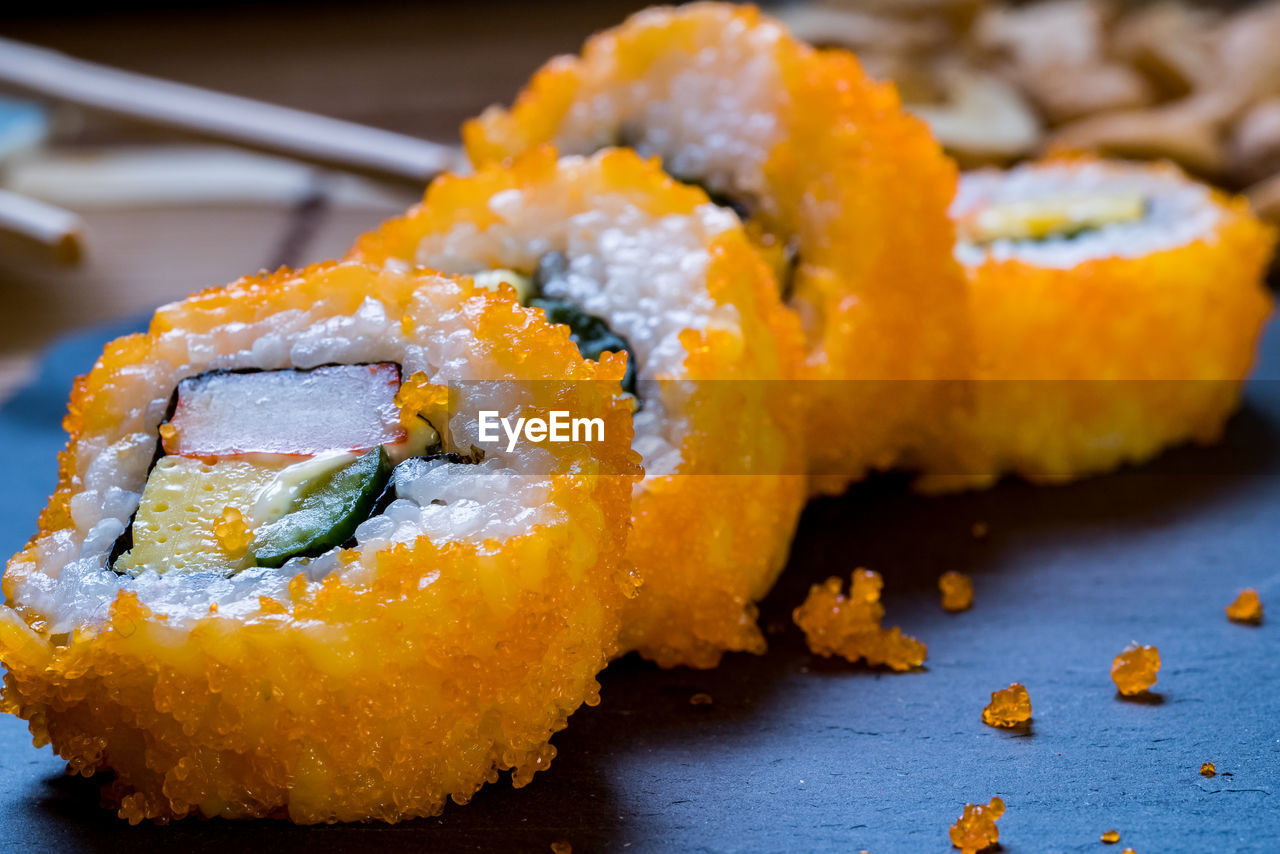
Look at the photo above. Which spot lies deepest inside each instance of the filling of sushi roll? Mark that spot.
(1058, 215)
(1050, 217)
(257, 467)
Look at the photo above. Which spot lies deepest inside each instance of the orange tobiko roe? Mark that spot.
(848, 625)
(957, 591)
(403, 678)
(855, 185)
(1246, 608)
(232, 533)
(976, 829)
(710, 538)
(1134, 670)
(1009, 707)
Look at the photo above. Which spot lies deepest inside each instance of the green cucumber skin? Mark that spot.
(328, 513)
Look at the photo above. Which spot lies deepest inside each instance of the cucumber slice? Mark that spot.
(327, 512)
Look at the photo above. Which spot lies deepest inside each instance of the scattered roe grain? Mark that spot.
(849, 625)
(233, 534)
(976, 829)
(1110, 837)
(957, 591)
(1009, 707)
(1134, 670)
(1247, 608)
(1208, 769)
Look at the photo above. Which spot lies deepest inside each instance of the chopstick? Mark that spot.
(37, 229)
(254, 124)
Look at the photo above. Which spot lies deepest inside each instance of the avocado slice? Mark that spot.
(327, 512)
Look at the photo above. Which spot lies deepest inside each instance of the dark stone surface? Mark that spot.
(797, 754)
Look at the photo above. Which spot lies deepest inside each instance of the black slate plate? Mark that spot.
(797, 754)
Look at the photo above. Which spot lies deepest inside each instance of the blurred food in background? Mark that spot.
(998, 82)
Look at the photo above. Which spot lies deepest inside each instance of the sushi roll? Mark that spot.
(1115, 310)
(843, 191)
(629, 260)
(280, 576)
